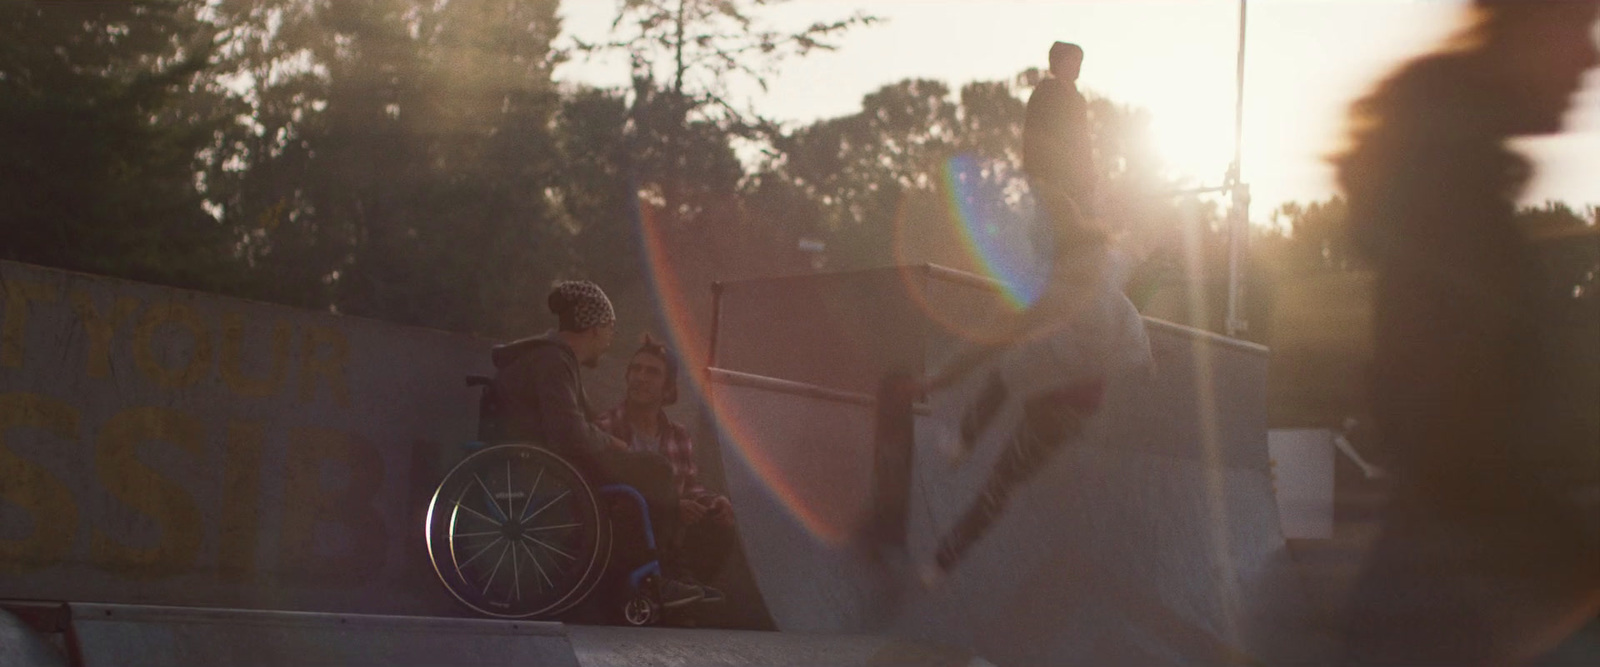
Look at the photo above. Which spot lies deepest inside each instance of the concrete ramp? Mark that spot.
(128, 636)
(112, 635)
(1153, 539)
(655, 647)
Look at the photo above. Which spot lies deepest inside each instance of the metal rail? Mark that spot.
(803, 389)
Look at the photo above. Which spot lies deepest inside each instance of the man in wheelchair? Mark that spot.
(706, 518)
(541, 399)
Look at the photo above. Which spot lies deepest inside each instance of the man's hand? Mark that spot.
(716, 508)
(692, 511)
(618, 444)
(721, 511)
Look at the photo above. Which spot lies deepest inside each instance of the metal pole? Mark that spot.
(1239, 215)
(1238, 100)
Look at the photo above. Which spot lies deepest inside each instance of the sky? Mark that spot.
(1306, 61)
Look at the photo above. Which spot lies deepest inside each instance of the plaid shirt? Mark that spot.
(674, 445)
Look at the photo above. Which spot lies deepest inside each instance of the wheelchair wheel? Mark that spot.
(641, 610)
(515, 531)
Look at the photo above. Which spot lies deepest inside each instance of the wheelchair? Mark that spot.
(516, 530)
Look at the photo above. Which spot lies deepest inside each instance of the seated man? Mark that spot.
(542, 400)
(707, 518)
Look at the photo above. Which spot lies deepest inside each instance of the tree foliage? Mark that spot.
(399, 160)
(697, 51)
(108, 116)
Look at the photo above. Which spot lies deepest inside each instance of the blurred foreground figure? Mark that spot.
(1484, 557)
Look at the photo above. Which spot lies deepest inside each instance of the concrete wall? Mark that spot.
(163, 446)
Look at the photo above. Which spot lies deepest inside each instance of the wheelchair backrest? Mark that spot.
(489, 409)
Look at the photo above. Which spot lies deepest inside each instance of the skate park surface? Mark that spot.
(210, 474)
(129, 635)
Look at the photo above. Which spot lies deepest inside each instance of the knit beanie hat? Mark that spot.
(580, 305)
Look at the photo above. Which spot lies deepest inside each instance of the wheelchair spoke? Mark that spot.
(511, 503)
(489, 496)
(498, 562)
(535, 559)
(531, 492)
(481, 552)
(547, 545)
(476, 513)
(516, 576)
(564, 525)
(546, 506)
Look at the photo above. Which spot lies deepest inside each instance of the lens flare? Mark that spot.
(692, 340)
(1222, 550)
(998, 231)
(981, 221)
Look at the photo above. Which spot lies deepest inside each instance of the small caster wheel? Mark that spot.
(641, 611)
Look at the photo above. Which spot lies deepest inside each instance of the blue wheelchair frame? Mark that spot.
(653, 567)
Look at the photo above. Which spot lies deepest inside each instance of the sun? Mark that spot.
(1193, 135)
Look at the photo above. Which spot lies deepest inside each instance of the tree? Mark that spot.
(401, 163)
(688, 186)
(686, 57)
(108, 115)
(1309, 238)
(700, 49)
(1556, 219)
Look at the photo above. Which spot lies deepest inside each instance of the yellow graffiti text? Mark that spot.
(330, 366)
(144, 351)
(349, 506)
(32, 488)
(233, 342)
(101, 329)
(18, 294)
(145, 490)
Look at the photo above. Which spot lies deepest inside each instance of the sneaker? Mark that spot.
(675, 593)
(712, 594)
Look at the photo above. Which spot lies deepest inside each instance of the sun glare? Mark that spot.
(1193, 141)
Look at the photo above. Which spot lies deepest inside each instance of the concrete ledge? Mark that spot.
(116, 635)
(653, 647)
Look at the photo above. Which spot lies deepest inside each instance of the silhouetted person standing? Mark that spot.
(1484, 558)
(1056, 151)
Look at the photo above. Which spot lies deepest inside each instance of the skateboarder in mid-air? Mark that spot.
(1055, 359)
(1055, 362)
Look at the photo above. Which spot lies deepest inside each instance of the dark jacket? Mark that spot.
(540, 395)
(1055, 139)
